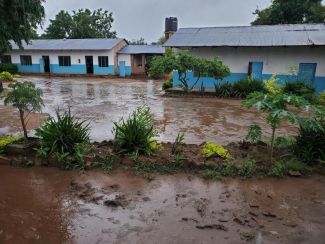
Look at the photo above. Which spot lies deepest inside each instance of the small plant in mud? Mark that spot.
(210, 149)
(211, 174)
(284, 167)
(66, 138)
(168, 84)
(135, 133)
(178, 143)
(107, 163)
(275, 104)
(254, 133)
(26, 98)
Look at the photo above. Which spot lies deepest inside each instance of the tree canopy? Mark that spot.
(183, 62)
(140, 41)
(83, 23)
(291, 12)
(19, 20)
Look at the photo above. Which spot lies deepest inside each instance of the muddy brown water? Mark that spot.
(48, 205)
(103, 101)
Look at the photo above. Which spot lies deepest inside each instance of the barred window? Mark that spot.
(64, 61)
(26, 60)
(6, 59)
(103, 61)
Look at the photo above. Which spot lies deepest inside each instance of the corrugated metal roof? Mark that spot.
(249, 36)
(143, 49)
(70, 44)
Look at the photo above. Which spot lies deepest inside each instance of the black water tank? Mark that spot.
(171, 24)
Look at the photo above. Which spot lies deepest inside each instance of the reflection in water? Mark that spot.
(104, 101)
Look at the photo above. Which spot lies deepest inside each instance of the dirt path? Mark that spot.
(48, 205)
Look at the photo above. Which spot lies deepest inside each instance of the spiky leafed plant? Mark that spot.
(26, 98)
(135, 133)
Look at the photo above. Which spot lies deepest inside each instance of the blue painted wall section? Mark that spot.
(73, 69)
(208, 82)
(110, 70)
(34, 68)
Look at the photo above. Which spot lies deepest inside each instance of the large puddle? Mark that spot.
(47, 205)
(103, 101)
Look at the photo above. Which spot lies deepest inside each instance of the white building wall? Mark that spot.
(277, 60)
(126, 58)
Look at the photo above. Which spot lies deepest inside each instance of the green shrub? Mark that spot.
(211, 174)
(6, 76)
(300, 89)
(228, 168)
(136, 132)
(246, 86)
(225, 90)
(11, 68)
(283, 167)
(167, 84)
(5, 141)
(210, 149)
(247, 168)
(320, 99)
(64, 137)
(310, 142)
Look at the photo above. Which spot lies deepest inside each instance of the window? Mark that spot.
(307, 72)
(103, 61)
(64, 61)
(138, 60)
(6, 59)
(26, 60)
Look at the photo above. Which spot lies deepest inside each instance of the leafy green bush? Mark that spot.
(246, 86)
(136, 132)
(283, 167)
(167, 84)
(310, 142)
(5, 141)
(210, 149)
(247, 168)
(300, 89)
(11, 68)
(225, 90)
(6, 76)
(320, 99)
(65, 137)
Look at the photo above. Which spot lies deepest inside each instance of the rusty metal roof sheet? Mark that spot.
(249, 36)
(142, 49)
(69, 44)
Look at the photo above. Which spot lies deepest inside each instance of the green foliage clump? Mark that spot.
(210, 149)
(300, 89)
(11, 68)
(254, 133)
(271, 85)
(6, 76)
(178, 143)
(5, 141)
(283, 167)
(168, 84)
(245, 169)
(310, 142)
(27, 98)
(320, 99)
(107, 163)
(183, 62)
(211, 174)
(66, 138)
(135, 133)
(224, 90)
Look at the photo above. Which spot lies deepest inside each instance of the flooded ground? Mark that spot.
(103, 101)
(48, 205)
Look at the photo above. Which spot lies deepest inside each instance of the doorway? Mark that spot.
(256, 70)
(122, 69)
(307, 72)
(89, 64)
(46, 60)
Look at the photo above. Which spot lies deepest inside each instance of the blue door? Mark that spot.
(257, 70)
(122, 68)
(307, 72)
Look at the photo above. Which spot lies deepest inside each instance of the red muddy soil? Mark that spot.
(47, 205)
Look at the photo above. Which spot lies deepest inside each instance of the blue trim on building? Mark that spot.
(73, 69)
(128, 70)
(34, 68)
(209, 82)
(110, 70)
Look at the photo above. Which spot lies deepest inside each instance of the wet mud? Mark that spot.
(103, 101)
(48, 205)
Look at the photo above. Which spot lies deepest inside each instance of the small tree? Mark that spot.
(275, 104)
(26, 98)
(183, 62)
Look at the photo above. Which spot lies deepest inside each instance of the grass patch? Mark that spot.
(283, 167)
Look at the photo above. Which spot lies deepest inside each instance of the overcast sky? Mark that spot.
(145, 18)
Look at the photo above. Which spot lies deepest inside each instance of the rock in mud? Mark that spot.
(212, 226)
(294, 173)
(247, 236)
